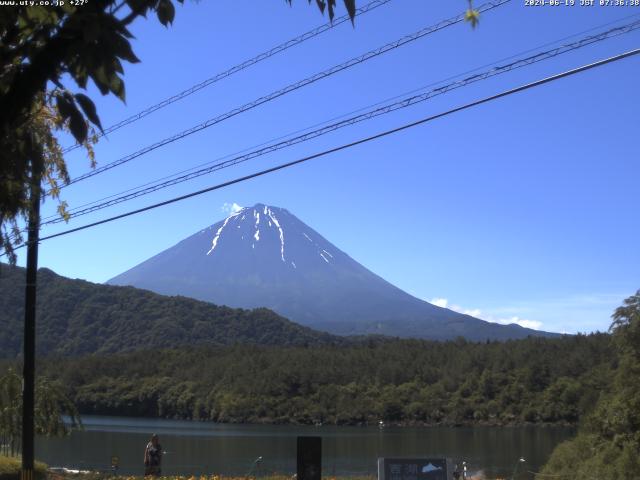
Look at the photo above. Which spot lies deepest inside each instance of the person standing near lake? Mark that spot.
(153, 457)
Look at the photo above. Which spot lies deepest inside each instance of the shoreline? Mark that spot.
(386, 424)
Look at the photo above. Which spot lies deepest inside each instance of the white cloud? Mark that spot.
(520, 321)
(476, 312)
(573, 313)
(230, 208)
(439, 302)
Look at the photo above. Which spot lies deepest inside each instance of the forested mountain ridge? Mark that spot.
(76, 317)
(399, 381)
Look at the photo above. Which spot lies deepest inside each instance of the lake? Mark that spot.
(201, 447)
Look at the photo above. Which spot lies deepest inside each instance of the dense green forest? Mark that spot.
(399, 381)
(607, 446)
(77, 317)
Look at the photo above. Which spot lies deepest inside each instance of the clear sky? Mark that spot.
(522, 209)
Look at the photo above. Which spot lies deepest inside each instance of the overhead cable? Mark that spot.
(382, 110)
(290, 88)
(237, 68)
(360, 141)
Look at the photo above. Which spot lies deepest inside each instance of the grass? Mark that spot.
(10, 468)
(97, 476)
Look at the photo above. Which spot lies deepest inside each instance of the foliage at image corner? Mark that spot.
(11, 465)
(607, 446)
(50, 407)
(39, 46)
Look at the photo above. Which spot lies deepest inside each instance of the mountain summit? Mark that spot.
(263, 256)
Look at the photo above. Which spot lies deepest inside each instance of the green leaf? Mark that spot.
(78, 126)
(321, 5)
(80, 75)
(116, 65)
(473, 17)
(23, 25)
(89, 109)
(116, 85)
(68, 8)
(166, 12)
(91, 30)
(351, 8)
(99, 76)
(140, 5)
(63, 211)
(37, 14)
(331, 4)
(122, 49)
(65, 105)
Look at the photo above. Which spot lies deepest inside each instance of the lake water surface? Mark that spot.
(205, 448)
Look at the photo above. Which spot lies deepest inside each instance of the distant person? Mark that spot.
(456, 472)
(153, 457)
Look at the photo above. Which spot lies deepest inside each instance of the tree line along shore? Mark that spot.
(404, 382)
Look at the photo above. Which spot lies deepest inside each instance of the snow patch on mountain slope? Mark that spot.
(277, 224)
(214, 243)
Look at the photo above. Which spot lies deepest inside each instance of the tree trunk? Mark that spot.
(30, 322)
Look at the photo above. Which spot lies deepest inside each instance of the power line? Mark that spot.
(382, 110)
(290, 88)
(405, 102)
(14, 236)
(385, 133)
(504, 59)
(237, 68)
(345, 115)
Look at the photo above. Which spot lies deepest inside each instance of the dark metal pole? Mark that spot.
(28, 375)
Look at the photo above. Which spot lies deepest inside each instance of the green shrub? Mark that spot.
(10, 468)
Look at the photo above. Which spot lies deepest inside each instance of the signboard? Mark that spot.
(309, 458)
(414, 469)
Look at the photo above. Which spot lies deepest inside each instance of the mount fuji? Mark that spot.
(263, 256)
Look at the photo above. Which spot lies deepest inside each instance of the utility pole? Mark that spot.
(28, 374)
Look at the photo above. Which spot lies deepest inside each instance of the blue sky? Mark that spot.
(523, 209)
